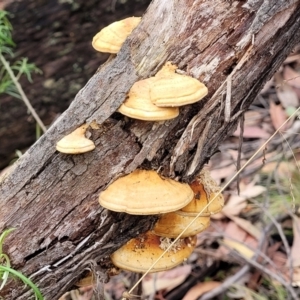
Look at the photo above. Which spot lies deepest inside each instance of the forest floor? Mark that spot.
(251, 249)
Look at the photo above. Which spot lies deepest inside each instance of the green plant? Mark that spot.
(6, 270)
(9, 81)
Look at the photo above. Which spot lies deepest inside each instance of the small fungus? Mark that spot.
(205, 189)
(145, 193)
(172, 89)
(139, 253)
(111, 38)
(75, 142)
(138, 104)
(172, 224)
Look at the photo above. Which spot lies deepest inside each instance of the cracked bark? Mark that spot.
(51, 198)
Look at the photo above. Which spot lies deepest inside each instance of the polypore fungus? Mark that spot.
(172, 89)
(172, 224)
(111, 38)
(75, 142)
(138, 104)
(140, 253)
(145, 193)
(207, 197)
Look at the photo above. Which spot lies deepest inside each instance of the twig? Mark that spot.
(226, 284)
(21, 92)
(269, 273)
(232, 279)
(284, 241)
(238, 163)
(152, 295)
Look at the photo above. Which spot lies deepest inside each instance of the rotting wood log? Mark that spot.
(51, 198)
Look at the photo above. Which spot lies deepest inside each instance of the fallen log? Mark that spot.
(52, 198)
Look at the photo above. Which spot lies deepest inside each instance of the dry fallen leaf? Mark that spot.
(199, 289)
(252, 132)
(239, 247)
(291, 76)
(292, 58)
(84, 293)
(252, 191)
(296, 277)
(287, 96)
(225, 172)
(166, 280)
(283, 169)
(278, 115)
(238, 239)
(295, 253)
(232, 231)
(247, 226)
(234, 205)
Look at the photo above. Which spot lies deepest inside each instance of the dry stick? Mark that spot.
(268, 272)
(21, 92)
(284, 241)
(217, 194)
(226, 284)
(232, 279)
(257, 251)
(238, 164)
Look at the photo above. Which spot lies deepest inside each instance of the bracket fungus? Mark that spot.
(172, 224)
(172, 89)
(145, 193)
(140, 253)
(205, 189)
(111, 38)
(75, 142)
(138, 104)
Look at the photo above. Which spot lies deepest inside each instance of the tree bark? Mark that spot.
(52, 199)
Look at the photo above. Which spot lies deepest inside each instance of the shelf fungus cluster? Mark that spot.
(145, 193)
(156, 98)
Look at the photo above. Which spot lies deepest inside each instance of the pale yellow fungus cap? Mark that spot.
(172, 224)
(111, 38)
(138, 104)
(172, 89)
(145, 193)
(139, 254)
(205, 189)
(75, 142)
